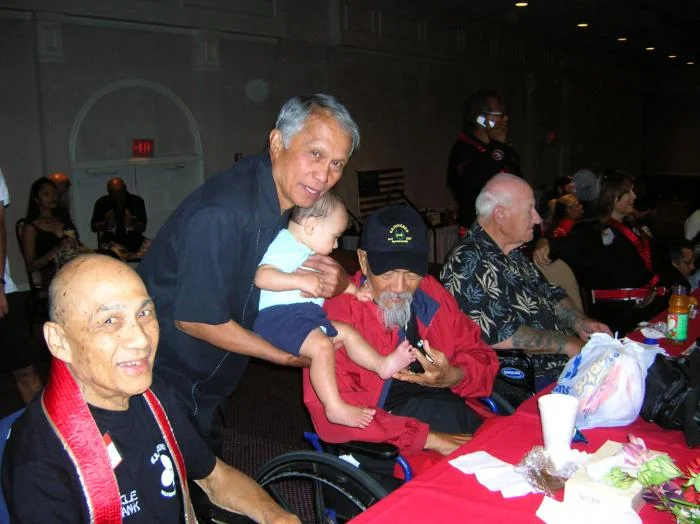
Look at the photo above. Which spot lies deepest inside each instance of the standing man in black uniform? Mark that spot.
(479, 152)
(200, 267)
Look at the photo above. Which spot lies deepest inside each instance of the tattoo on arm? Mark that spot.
(535, 340)
(567, 313)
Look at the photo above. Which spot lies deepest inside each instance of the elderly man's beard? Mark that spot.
(395, 314)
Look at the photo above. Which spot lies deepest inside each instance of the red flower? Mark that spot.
(691, 495)
(693, 467)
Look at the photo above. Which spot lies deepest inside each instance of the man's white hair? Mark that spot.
(494, 193)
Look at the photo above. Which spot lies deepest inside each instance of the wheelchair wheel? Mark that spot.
(319, 487)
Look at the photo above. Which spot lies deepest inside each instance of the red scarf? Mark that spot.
(640, 243)
(70, 418)
(563, 228)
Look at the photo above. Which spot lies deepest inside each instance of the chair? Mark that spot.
(5, 426)
(560, 274)
(38, 303)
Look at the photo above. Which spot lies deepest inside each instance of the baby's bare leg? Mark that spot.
(319, 348)
(361, 353)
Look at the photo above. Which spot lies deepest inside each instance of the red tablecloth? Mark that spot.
(443, 494)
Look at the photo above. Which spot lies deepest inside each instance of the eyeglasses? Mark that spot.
(688, 262)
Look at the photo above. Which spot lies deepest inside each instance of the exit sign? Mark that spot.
(142, 147)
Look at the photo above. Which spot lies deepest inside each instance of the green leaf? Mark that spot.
(657, 471)
(618, 478)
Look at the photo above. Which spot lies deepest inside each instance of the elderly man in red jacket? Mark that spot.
(425, 407)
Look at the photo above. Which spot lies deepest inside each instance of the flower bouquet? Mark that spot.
(665, 486)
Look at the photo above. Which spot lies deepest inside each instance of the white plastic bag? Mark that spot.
(608, 379)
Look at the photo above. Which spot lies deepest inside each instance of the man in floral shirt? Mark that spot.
(501, 289)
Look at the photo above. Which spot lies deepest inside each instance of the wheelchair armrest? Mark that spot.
(377, 450)
(530, 365)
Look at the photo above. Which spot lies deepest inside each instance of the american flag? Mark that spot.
(378, 188)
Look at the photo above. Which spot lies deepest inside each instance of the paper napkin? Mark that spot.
(493, 473)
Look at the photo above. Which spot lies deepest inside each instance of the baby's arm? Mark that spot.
(270, 278)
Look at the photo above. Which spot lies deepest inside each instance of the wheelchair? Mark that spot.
(337, 488)
(340, 490)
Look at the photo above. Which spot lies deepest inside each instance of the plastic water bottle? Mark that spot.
(678, 309)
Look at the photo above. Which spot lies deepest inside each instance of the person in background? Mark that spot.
(120, 217)
(63, 185)
(99, 444)
(14, 331)
(563, 185)
(567, 211)
(691, 229)
(202, 263)
(692, 235)
(500, 288)
(480, 151)
(612, 258)
(47, 241)
(679, 264)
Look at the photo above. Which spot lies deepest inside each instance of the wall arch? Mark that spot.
(133, 83)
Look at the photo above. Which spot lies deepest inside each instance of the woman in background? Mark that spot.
(612, 258)
(46, 242)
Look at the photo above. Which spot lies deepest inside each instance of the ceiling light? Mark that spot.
(520, 4)
(649, 48)
(582, 24)
(673, 56)
(690, 63)
(622, 39)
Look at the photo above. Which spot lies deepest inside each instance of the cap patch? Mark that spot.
(399, 234)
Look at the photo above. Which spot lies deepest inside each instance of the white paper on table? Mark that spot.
(517, 489)
(554, 512)
(496, 478)
(494, 474)
(490, 475)
(471, 462)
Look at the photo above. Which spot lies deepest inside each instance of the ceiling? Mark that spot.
(670, 26)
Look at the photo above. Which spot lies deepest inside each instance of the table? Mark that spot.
(445, 495)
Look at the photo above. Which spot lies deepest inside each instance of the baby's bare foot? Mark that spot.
(396, 360)
(348, 415)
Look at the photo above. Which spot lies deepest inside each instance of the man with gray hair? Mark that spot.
(202, 262)
(501, 289)
(421, 407)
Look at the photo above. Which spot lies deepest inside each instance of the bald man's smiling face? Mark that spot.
(107, 332)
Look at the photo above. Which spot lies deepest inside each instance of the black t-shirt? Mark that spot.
(41, 485)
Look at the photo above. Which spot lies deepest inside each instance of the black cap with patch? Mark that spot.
(395, 237)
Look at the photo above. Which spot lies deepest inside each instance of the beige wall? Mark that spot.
(402, 69)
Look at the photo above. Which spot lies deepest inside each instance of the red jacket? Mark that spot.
(442, 324)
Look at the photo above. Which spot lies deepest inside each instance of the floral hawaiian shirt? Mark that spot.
(500, 292)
